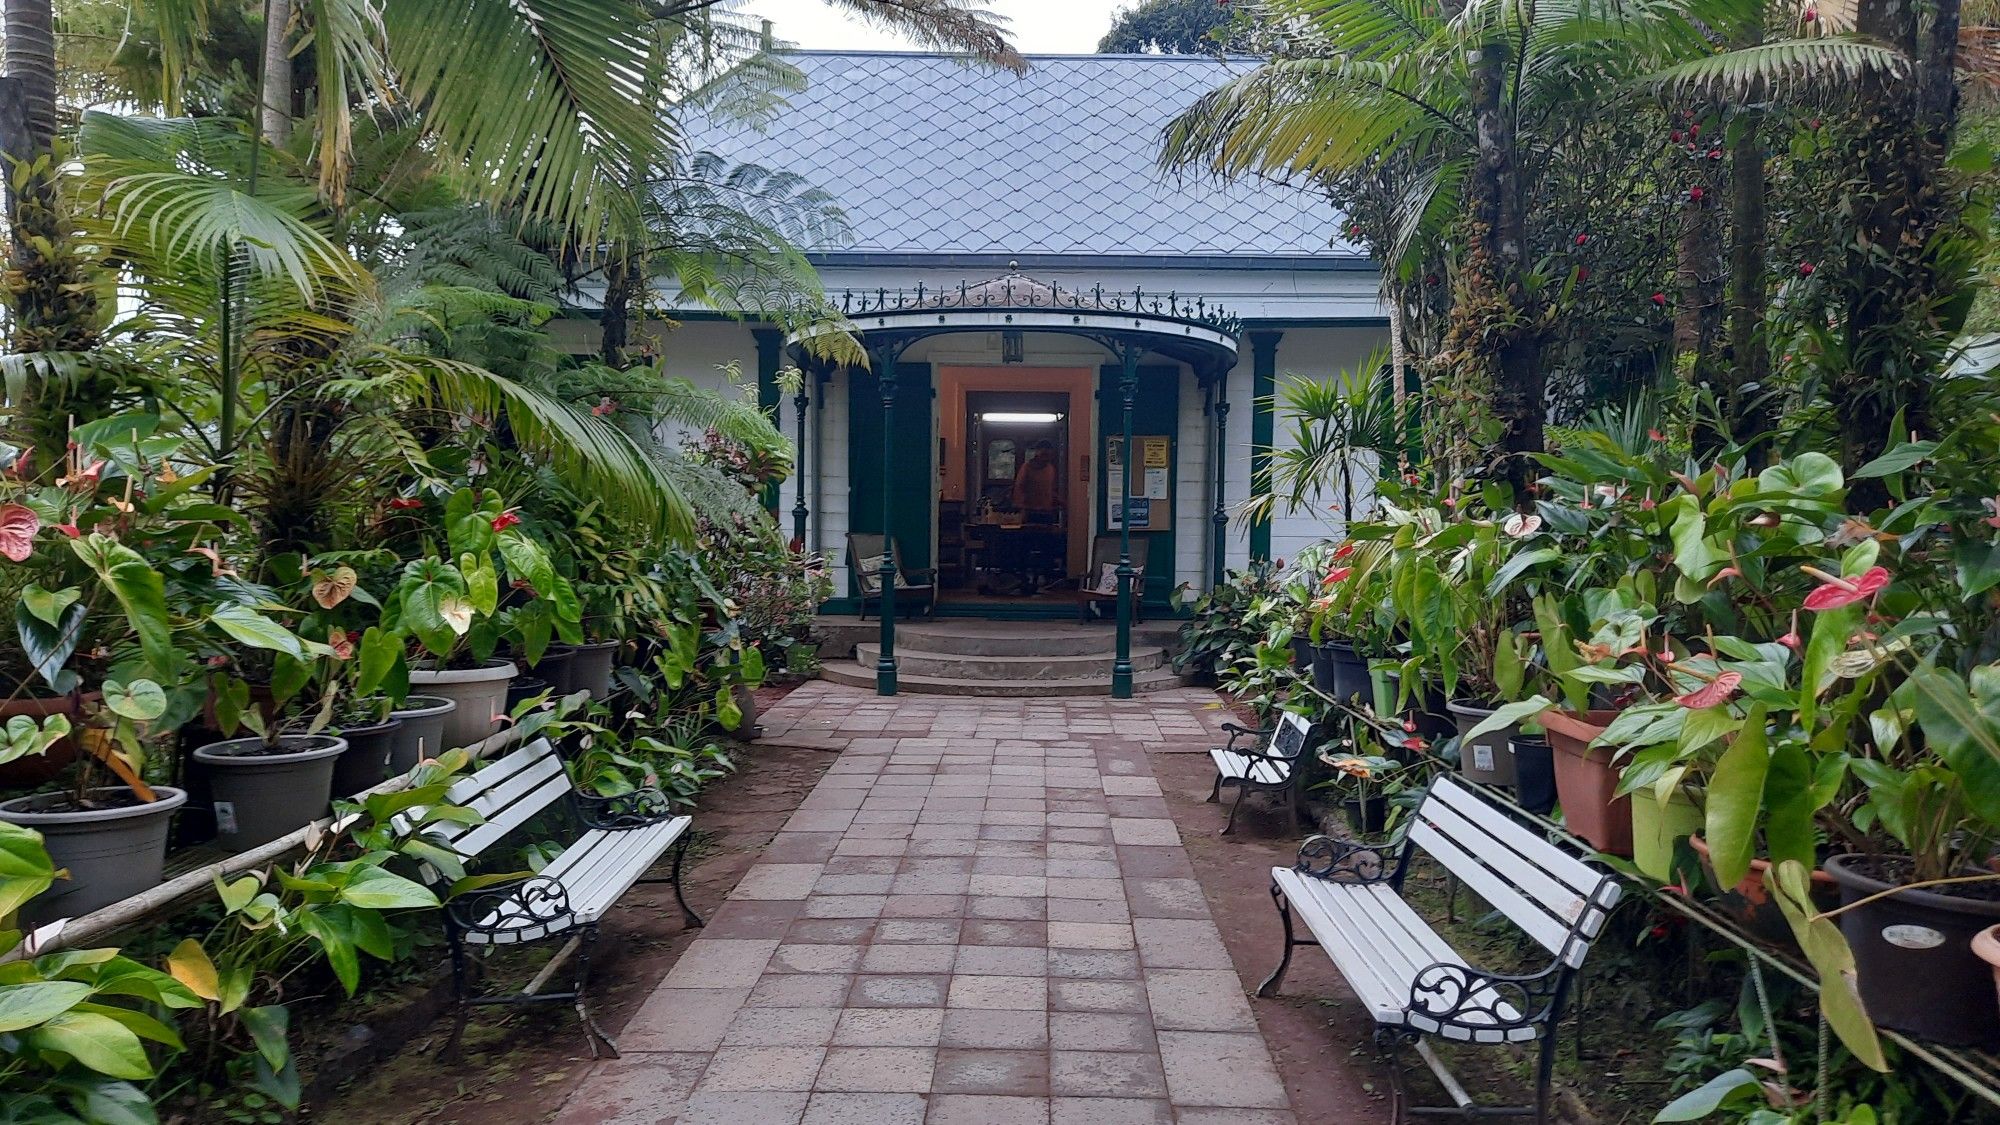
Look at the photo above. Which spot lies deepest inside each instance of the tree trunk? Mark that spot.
(1748, 400)
(621, 291)
(1519, 388)
(1698, 274)
(275, 100)
(54, 309)
(1902, 202)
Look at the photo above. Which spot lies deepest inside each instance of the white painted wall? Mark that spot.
(700, 350)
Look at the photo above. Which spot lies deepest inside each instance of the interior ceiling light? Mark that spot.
(1017, 416)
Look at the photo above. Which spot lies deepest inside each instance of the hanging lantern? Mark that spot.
(1013, 348)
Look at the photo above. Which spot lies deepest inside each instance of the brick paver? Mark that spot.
(981, 915)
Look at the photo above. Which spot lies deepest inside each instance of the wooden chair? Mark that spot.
(864, 555)
(1103, 553)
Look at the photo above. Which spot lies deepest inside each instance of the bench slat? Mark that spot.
(524, 807)
(1561, 865)
(1379, 944)
(1234, 765)
(1508, 899)
(595, 872)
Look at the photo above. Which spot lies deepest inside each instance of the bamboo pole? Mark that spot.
(71, 933)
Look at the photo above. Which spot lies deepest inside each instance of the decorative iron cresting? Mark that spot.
(1015, 291)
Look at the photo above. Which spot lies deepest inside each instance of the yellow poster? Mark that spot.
(1156, 450)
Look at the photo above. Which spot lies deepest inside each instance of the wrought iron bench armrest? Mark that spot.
(1358, 862)
(515, 905)
(1236, 731)
(1449, 992)
(638, 809)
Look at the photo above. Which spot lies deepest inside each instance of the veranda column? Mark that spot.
(770, 357)
(1219, 521)
(799, 474)
(885, 661)
(1121, 664)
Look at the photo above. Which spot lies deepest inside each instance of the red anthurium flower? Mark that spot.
(505, 520)
(1835, 592)
(405, 503)
(1413, 743)
(1708, 695)
(1695, 193)
(1409, 726)
(1336, 574)
(1724, 575)
(1656, 435)
(1583, 273)
(1805, 269)
(1660, 300)
(1791, 641)
(1647, 504)
(1342, 551)
(18, 525)
(69, 529)
(1582, 238)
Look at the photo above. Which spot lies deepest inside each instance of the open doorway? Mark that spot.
(1013, 504)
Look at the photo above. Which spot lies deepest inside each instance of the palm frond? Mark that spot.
(345, 39)
(944, 25)
(594, 456)
(552, 106)
(1823, 68)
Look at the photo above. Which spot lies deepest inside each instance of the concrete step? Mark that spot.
(1009, 638)
(858, 675)
(919, 661)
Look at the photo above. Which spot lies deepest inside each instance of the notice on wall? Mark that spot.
(1149, 506)
(1156, 484)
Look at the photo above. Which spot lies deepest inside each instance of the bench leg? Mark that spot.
(1277, 977)
(1242, 791)
(1215, 793)
(1292, 802)
(1545, 1068)
(592, 1033)
(461, 997)
(687, 912)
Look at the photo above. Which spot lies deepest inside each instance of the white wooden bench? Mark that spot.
(1349, 896)
(1273, 768)
(617, 840)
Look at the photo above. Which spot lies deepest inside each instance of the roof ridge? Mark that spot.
(1054, 56)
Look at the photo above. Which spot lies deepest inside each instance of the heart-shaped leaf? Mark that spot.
(190, 964)
(24, 736)
(142, 701)
(18, 525)
(257, 631)
(49, 646)
(46, 606)
(330, 588)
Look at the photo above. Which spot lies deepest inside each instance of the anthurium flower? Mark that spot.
(505, 520)
(1520, 526)
(405, 503)
(18, 525)
(1342, 551)
(1718, 690)
(1724, 575)
(341, 644)
(1835, 591)
(1336, 574)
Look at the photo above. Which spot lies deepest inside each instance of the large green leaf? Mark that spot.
(373, 888)
(268, 1026)
(1839, 988)
(256, 630)
(27, 1005)
(47, 606)
(25, 867)
(1735, 793)
(139, 590)
(95, 1041)
(1964, 731)
(1710, 1096)
(49, 647)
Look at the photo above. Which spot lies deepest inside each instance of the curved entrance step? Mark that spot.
(1023, 638)
(854, 674)
(911, 659)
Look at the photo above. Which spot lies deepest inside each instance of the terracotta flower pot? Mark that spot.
(1750, 902)
(1986, 945)
(1587, 782)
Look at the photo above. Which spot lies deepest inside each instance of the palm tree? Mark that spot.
(1465, 107)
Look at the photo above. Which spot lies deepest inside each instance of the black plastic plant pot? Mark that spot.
(1534, 773)
(366, 762)
(1487, 759)
(523, 688)
(1302, 653)
(1368, 816)
(1913, 955)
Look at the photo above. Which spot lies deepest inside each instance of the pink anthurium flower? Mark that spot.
(1336, 574)
(1718, 690)
(1835, 591)
(18, 525)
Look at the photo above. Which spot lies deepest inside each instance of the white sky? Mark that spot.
(1038, 27)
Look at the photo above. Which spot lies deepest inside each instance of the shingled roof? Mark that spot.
(929, 155)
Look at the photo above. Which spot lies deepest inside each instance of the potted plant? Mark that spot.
(1363, 783)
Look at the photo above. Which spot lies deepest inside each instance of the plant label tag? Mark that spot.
(225, 818)
(1482, 757)
(1912, 937)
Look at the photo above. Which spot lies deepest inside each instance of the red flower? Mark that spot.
(69, 529)
(1694, 130)
(1708, 695)
(1342, 551)
(1656, 435)
(1409, 726)
(1810, 14)
(1582, 238)
(1715, 154)
(1336, 574)
(405, 503)
(1675, 136)
(1791, 641)
(1813, 124)
(1835, 592)
(1660, 300)
(1413, 743)
(1583, 273)
(1695, 193)
(505, 520)
(1647, 504)
(1723, 575)
(1805, 269)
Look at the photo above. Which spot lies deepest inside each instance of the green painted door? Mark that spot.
(1156, 411)
(913, 473)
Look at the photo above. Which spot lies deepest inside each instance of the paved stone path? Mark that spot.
(982, 915)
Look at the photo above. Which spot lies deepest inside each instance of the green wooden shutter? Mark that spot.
(1156, 410)
(912, 468)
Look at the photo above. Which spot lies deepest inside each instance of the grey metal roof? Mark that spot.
(931, 156)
